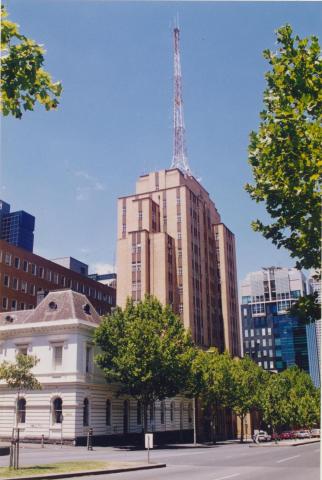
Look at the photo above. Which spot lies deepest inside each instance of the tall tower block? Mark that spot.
(173, 244)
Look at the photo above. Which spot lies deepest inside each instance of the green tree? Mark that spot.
(247, 383)
(146, 350)
(307, 309)
(18, 374)
(23, 79)
(290, 399)
(211, 382)
(19, 377)
(285, 153)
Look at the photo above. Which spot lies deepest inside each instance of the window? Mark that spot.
(88, 361)
(4, 303)
(15, 283)
(7, 259)
(21, 410)
(265, 364)
(271, 364)
(270, 353)
(190, 413)
(6, 280)
(108, 412)
(138, 412)
(245, 312)
(23, 349)
(57, 410)
(14, 304)
(264, 342)
(252, 333)
(17, 262)
(33, 269)
(24, 286)
(85, 413)
(246, 333)
(172, 406)
(41, 272)
(162, 412)
(269, 331)
(58, 356)
(25, 266)
(263, 331)
(151, 413)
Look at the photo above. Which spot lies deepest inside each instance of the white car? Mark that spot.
(315, 432)
(262, 436)
(303, 434)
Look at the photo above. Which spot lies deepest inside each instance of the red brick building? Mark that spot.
(23, 274)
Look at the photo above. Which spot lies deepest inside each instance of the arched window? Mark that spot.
(57, 410)
(189, 412)
(21, 410)
(139, 413)
(125, 416)
(108, 412)
(162, 412)
(181, 415)
(151, 412)
(172, 405)
(85, 413)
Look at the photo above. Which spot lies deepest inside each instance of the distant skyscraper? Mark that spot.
(172, 244)
(273, 338)
(17, 228)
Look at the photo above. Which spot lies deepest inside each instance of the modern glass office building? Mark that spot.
(17, 228)
(273, 338)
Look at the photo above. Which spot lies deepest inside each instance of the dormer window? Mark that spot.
(52, 305)
(87, 308)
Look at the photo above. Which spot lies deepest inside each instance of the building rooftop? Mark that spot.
(57, 305)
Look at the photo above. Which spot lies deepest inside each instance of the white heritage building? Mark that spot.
(74, 394)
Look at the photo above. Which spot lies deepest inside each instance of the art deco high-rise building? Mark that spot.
(172, 244)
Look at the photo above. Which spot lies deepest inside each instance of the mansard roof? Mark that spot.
(57, 305)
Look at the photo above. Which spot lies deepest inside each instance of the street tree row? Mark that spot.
(147, 351)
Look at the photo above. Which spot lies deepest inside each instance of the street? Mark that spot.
(222, 462)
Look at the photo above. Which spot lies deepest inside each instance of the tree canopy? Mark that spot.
(247, 382)
(285, 153)
(146, 350)
(211, 381)
(18, 374)
(23, 81)
(290, 398)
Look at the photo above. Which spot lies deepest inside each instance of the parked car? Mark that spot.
(315, 432)
(262, 436)
(303, 434)
(287, 435)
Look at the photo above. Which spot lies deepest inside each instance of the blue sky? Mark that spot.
(114, 121)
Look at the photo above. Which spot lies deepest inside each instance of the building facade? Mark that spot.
(271, 336)
(23, 275)
(314, 332)
(74, 395)
(172, 244)
(17, 228)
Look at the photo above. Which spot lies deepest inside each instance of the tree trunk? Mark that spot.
(242, 428)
